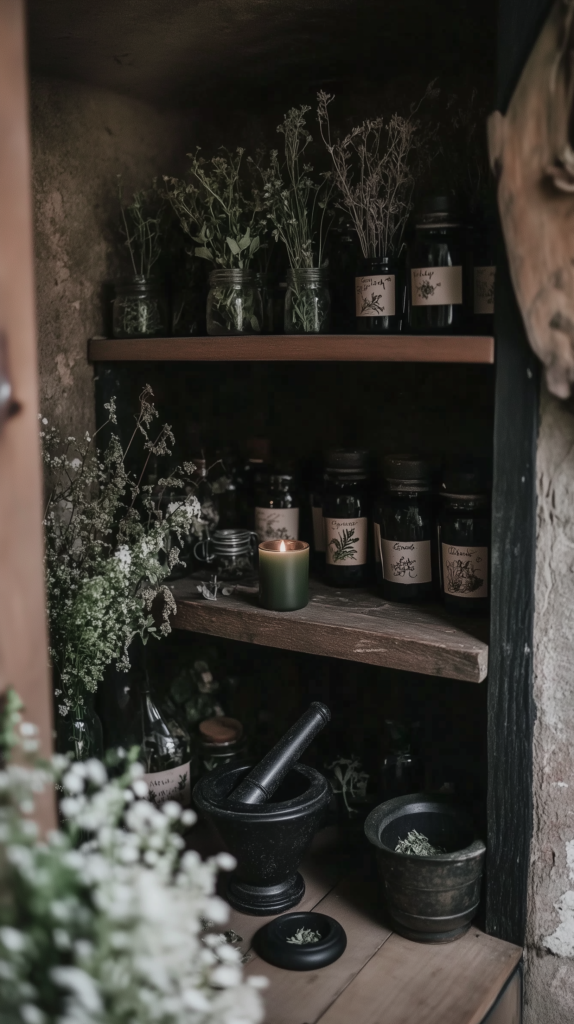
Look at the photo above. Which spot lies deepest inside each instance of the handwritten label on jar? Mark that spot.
(277, 524)
(375, 295)
(318, 529)
(465, 571)
(377, 537)
(484, 289)
(436, 286)
(346, 541)
(173, 784)
(406, 561)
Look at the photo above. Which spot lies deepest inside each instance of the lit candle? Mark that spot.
(283, 574)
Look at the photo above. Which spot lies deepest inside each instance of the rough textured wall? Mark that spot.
(550, 939)
(82, 138)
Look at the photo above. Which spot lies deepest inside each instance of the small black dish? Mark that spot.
(270, 942)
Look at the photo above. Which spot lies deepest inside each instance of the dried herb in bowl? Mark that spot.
(416, 843)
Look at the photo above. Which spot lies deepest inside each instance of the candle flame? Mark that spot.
(282, 546)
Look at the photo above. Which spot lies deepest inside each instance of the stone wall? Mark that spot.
(82, 137)
(550, 938)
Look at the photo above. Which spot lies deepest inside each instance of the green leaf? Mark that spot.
(233, 246)
(244, 242)
(254, 245)
(255, 323)
(204, 253)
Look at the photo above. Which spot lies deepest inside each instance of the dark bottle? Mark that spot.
(401, 770)
(316, 501)
(276, 507)
(377, 297)
(403, 529)
(484, 268)
(165, 754)
(464, 541)
(256, 465)
(346, 513)
(221, 740)
(435, 268)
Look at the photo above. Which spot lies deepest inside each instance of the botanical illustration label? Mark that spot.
(484, 289)
(375, 295)
(318, 529)
(277, 524)
(173, 784)
(437, 286)
(407, 561)
(465, 570)
(377, 538)
(346, 541)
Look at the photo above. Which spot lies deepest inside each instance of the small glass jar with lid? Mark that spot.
(276, 507)
(307, 301)
(403, 529)
(346, 514)
(234, 304)
(230, 552)
(377, 297)
(464, 532)
(221, 740)
(435, 268)
(140, 309)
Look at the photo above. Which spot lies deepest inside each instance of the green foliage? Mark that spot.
(217, 210)
(108, 550)
(297, 205)
(142, 226)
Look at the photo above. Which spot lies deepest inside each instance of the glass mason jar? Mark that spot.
(377, 297)
(234, 303)
(221, 740)
(435, 265)
(233, 553)
(307, 301)
(346, 512)
(276, 507)
(140, 309)
(80, 731)
(403, 530)
(464, 542)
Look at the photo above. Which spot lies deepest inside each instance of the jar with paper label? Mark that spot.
(484, 268)
(435, 268)
(403, 529)
(346, 518)
(276, 507)
(165, 753)
(464, 542)
(377, 297)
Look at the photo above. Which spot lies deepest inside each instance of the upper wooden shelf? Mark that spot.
(356, 625)
(379, 348)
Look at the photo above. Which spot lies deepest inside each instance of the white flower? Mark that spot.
(124, 557)
(32, 1014)
(226, 976)
(140, 787)
(79, 984)
(225, 861)
(12, 939)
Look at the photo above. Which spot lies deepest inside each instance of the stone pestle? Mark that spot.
(259, 785)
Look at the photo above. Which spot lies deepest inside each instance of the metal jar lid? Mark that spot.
(407, 470)
(231, 541)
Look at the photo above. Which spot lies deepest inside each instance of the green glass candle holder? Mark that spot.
(283, 575)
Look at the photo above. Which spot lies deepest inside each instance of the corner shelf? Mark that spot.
(376, 348)
(355, 625)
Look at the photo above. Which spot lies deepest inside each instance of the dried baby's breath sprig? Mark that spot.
(375, 169)
(417, 844)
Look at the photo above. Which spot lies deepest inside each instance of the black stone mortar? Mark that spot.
(429, 899)
(268, 840)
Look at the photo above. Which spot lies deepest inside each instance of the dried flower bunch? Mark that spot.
(108, 550)
(109, 929)
(297, 204)
(217, 210)
(375, 168)
(142, 227)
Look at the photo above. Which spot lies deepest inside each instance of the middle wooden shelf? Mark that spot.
(356, 625)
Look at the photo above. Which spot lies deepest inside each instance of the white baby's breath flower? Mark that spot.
(225, 861)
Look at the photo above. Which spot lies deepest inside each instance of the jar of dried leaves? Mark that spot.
(139, 309)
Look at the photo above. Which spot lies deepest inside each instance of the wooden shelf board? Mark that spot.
(392, 348)
(356, 625)
(380, 976)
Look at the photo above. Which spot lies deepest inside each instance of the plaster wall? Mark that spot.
(549, 989)
(82, 137)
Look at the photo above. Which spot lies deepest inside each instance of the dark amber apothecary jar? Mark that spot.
(346, 515)
(377, 297)
(435, 268)
(404, 531)
(464, 535)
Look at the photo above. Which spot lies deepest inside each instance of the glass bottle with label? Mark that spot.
(403, 529)
(377, 297)
(464, 542)
(346, 514)
(435, 268)
(276, 508)
(165, 754)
